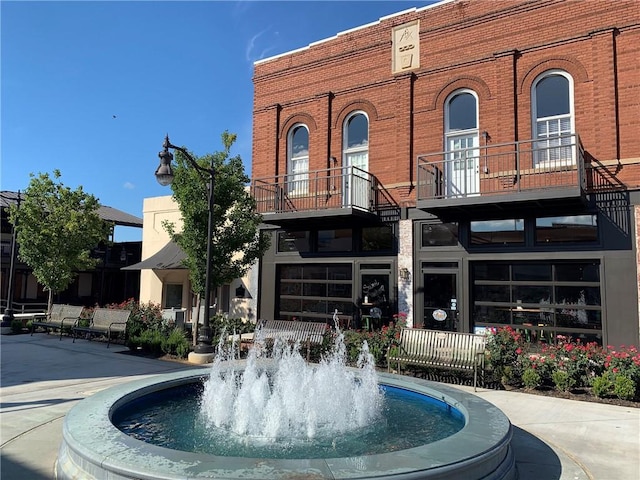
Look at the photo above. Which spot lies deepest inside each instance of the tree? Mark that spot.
(56, 229)
(237, 243)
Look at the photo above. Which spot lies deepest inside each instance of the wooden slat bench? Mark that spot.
(433, 348)
(61, 316)
(306, 333)
(105, 321)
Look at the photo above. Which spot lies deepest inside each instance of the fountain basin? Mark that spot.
(92, 447)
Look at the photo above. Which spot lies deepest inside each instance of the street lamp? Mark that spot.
(7, 317)
(164, 175)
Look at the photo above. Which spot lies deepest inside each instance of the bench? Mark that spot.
(434, 348)
(104, 321)
(61, 316)
(292, 331)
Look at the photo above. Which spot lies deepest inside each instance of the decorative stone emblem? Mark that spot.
(406, 47)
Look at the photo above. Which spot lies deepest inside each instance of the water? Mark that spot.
(298, 410)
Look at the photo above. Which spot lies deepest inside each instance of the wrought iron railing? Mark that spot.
(506, 168)
(342, 187)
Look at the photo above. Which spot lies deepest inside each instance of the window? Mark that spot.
(312, 292)
(377, 239)
(439, 235)
(356, 141)
(461, 144)
(542, 299)
(173, 295)
(294, 241)
(501, 232)
(552, 97)
(339, 240)
(356, 180)
(569, 229)
(298, 161)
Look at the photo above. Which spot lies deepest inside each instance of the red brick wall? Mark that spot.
(494, 48)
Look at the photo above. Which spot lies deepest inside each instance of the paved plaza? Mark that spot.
(42, 377)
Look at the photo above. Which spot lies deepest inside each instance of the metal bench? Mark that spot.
(61, 316)
(433, 348)
(292, 331)
(105, 321)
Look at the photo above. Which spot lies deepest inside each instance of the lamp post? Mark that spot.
(164, 175)
(7, 317)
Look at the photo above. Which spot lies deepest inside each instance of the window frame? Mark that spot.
(565, 137)
(297, 181)
(348, 151)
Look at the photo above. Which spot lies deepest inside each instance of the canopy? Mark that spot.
(169, 257)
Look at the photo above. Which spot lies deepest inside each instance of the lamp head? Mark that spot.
(164, 172)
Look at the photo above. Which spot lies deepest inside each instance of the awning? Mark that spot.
(169, 257)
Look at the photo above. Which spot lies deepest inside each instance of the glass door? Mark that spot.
(463, 176)
(357, 185)
(375, 297)
(440, 301)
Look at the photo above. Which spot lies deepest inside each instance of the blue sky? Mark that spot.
(91, 88)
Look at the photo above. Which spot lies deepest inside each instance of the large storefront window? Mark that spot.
(313, 292)
(542, 299)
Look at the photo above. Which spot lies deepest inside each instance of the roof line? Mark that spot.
(354, 29)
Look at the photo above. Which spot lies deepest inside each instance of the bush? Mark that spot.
(562, 380)
(176, 344)
(505, 348)
(602, 386)
(151, 341)
(624, 388)
(531, 379)
(16, 325)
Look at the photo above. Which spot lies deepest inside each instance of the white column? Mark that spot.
(405, 266)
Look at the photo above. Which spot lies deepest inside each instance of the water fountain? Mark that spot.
(279, 417)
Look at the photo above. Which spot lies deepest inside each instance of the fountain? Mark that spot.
(279, 417)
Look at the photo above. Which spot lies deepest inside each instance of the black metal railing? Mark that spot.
(342, 187)
(524, 166)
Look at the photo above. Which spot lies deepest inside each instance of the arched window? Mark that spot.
(553, 123)
(355, 159)
(298, 160)
(461, 143)
(356, 141)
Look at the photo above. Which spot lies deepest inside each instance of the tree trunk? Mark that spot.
(50, 302)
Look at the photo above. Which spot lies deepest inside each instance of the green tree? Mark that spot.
(56, 229)
(237, 243)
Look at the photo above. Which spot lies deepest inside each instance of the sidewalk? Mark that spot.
(42, 377)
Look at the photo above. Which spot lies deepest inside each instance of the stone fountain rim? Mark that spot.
(92, 445)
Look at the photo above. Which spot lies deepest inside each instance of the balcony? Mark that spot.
(519, 175)
(345, 195)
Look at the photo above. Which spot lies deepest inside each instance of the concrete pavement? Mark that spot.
(42, 377)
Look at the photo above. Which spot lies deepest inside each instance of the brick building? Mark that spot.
(470, 163)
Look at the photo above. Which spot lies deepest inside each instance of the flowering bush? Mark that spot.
(505, 349)
(379, 342)
(582, 362)
(567, 365)
(621, 376)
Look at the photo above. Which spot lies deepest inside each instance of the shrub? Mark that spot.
(151, 341)
(562, 380)
(623, 361)
(583, 362)
(176, 343)
(602, 386)
(624, 388)
(531, 378)
(16, 325)
(505, 348)
(222, 324)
